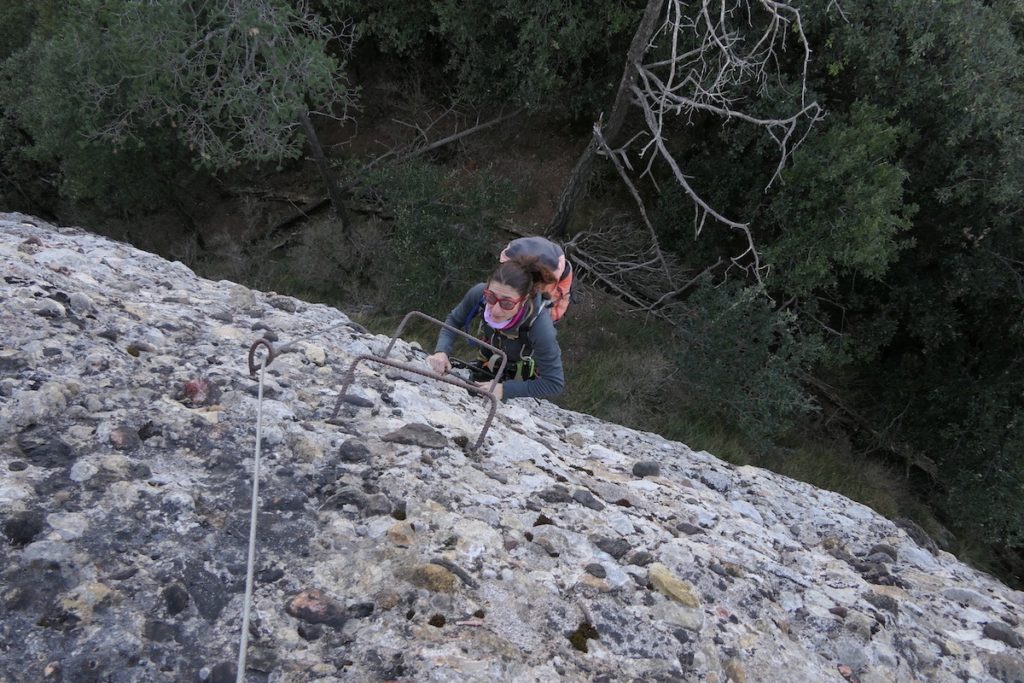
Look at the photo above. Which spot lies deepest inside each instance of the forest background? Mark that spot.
(798, 227)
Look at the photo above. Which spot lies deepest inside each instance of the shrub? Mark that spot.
(437, 234)
(117, 94)
(535, 53)
(744, 359)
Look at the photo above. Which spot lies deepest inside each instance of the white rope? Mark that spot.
(240, 678)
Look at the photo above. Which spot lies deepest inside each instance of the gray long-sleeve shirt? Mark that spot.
(541, 338)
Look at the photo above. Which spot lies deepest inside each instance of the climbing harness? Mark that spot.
(525, 367)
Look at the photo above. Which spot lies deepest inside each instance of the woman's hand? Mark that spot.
(439, 362)
(498, 391)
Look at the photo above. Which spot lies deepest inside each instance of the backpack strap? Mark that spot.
(566, 272)
(538, 308)
(540, 302)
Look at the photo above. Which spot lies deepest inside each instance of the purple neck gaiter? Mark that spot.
(511, 322)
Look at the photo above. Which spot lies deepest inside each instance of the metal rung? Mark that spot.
(447, 379)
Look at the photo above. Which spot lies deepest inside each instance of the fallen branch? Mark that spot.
(692, 281)
(581, 262)
(412, 151)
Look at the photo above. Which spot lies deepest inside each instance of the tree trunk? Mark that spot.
(333, 191)
(579, 178)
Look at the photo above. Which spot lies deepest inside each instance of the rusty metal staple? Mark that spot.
(384, 360)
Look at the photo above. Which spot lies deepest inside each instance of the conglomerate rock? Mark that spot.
(387, 549)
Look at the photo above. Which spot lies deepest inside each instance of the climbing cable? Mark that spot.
(250, 564)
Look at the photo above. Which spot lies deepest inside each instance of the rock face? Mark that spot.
(566, 549)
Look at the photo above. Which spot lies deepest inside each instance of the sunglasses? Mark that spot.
(506, 304)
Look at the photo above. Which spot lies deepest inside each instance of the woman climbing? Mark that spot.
(515, 318)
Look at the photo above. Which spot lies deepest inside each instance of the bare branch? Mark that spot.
(614, 158)
(576, 188)
(705, 59)
(586, 262)
(629, 263)
(1014, 266)
(669, 295)
(465, 133)
(910, 455)
(835, 3)
(705, 209)
(408, 152)
(414, 149)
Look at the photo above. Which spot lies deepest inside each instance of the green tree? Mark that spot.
(744, 359)
(841, 211)
(434, 237)
(18, 20)
(548, 55)
(118, 94)
(896, 233)
(895, 237)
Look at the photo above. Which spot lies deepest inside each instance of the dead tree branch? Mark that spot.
(415, 149)
(576, 188)
(330, 182)
(911, 457)
(614, 158)
(630, 264)
(584, 263)
(700, 59)
(667, 296)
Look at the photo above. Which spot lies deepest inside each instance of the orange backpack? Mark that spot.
(551, 256)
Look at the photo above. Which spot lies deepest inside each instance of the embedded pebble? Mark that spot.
(646, 468)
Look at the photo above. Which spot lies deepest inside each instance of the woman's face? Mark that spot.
(497, 313)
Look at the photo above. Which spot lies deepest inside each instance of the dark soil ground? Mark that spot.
(530, 151)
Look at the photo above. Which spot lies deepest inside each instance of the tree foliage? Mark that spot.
(17, 18)
(744, 358)
(434, 235)
(114, 92)
(842, 211)
(945, 379)
(893, 241)
(542, 54)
